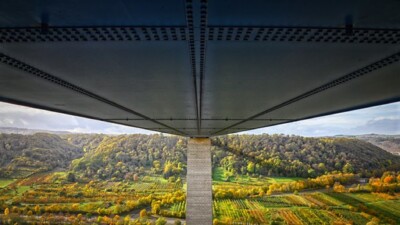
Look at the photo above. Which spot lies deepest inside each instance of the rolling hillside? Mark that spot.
(23, 155)
(118, 157)
(390, 143)
(295, 156)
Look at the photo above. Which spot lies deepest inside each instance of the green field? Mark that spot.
(219, 177)
(22, 189)
(283, 179)
(6, 182)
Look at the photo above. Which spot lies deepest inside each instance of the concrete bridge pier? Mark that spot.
(199, 187)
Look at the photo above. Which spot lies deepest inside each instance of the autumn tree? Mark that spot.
(388, 179)
(373, 221)
(116, 218)
(161, 221)
(337, 187)
(106, 219)
(37, 210)
(135, 177)
(143, 213)
(127, 219)
(7, 212)
(155, 208)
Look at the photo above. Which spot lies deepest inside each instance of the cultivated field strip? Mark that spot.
(311, 208)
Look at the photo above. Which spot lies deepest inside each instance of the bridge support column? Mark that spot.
(199, 189)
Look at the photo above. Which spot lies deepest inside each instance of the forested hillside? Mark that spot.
(295, 156)
(141, 179)
(23, 155)
(129, 156)
(87, 142)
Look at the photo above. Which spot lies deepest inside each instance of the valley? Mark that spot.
(141, 179)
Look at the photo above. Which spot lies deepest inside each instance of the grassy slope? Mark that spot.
(219, 177)
(6, 182)
(24, 155)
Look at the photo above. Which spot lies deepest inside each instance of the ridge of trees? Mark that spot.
(296, 156)
(125, 157)
(133, 156)
(23, 155)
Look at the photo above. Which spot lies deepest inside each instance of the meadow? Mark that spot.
(5, 182)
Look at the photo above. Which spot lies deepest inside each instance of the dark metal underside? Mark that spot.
(199, 68)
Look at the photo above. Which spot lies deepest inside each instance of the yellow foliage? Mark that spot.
(6, 212)
(143, 213)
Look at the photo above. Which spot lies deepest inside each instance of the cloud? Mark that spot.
(25, 117)
(383, 119)
(379, 126)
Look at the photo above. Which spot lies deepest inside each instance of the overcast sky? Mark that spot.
(384, 119)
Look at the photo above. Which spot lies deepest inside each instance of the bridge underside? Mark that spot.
(198, 68)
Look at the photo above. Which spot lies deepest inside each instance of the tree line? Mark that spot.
(296, 156)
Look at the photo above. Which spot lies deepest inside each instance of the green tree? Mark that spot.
(157, 165)
(311, 173)
(251, 167)
(71, 177)
(322, 167)
(348, 168)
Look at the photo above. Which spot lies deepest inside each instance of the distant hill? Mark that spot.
(23, 155)
(390, 143)
(15, 130)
